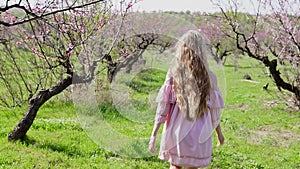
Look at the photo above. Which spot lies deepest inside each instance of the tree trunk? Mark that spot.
(114, 67)
(35, 103)
(279, 81)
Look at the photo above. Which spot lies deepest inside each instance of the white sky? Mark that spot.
(191, 5)
(178, 5)
(172, 5)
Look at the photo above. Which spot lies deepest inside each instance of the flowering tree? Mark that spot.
(131, 49)
(143, 31)
(210, 27)
(274, 39)
(49, 46)
(41, 44)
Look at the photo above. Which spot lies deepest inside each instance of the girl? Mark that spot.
(189, 104)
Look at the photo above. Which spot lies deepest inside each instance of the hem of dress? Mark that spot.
(185, 161)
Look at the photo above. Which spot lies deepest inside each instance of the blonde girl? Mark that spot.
(189, 105)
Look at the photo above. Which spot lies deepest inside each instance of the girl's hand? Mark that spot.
(221, 139)
(220, 135)
(152, 144)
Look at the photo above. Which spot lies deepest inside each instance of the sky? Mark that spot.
(191, 5)
(249, 6)
(175, 5)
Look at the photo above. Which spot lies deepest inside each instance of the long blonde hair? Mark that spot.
(190, 72)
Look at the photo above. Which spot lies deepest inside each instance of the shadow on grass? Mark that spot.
(56, 147)
(28, 141)
(238, 66)
(73, 151)
(70, 151)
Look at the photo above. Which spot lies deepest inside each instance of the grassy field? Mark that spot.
(261, 132)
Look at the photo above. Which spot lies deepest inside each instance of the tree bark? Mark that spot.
(280, 83)
(19, 132)
(114, 67)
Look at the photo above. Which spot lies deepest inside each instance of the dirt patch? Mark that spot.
(289, 104)
(280, 137)
(242, 106)
(270, 104)
(251, 81)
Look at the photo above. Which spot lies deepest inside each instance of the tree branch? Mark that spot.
(35, 16)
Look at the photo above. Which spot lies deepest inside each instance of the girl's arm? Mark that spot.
(155, 129)
(152, 142)
(220, 135)
(164, 99)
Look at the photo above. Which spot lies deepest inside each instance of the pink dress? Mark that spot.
(186, 143)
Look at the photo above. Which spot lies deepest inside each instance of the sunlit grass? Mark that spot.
(260, 131)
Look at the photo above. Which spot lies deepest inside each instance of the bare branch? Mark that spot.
(35, 16)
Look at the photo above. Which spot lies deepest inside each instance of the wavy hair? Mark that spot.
(190, 72)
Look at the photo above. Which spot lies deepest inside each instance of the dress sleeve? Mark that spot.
(165, 99)
(213, 115)
(215, 104)
(216, 101)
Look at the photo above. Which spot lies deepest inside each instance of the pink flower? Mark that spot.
(6, 17)
(69, 53)
(70, 46)
(129, 5)
(101, 23)
(41, 33)
(33, 49)
(19, 42)
(54, 6)
(12, 18)
(126, 53)
(37, 9)
(27, 6)
(81, 29)
(35, 52)
(61, 30)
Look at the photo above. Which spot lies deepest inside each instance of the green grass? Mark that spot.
(260, 130)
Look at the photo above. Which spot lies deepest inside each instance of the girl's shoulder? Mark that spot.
(213, 80)
(212, 76)
(169, 78)
(211, 73)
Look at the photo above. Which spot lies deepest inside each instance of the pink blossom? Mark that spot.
(54, 6)
(41, 33)
(27, 6)
(129, 5)
(37, 9)
(81, 29)
(57, 19)
(102, 20)
(70, 46)
(6, 17)
(19, 42)
(61, 30)
(35, 52)
(69, 53)
(12, 19)
(33, 49)
(126, 53)
(101, 23)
